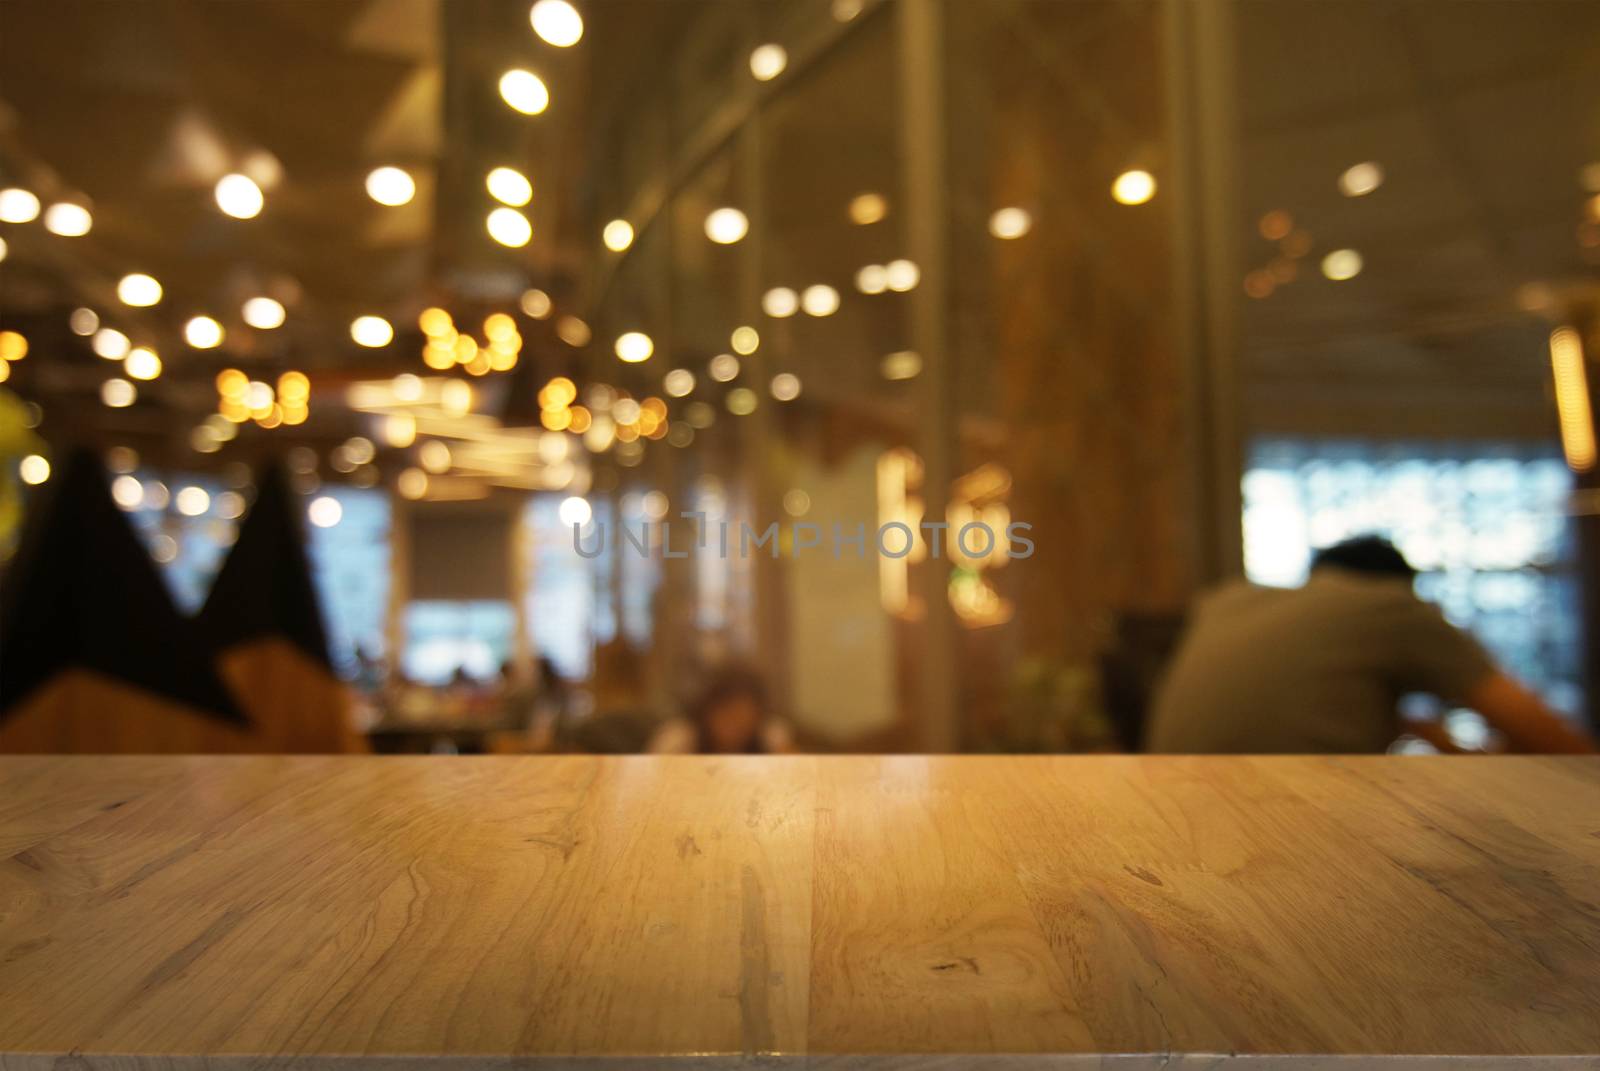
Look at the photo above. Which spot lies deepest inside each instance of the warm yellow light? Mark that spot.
(110, 343)
(118, 393)
(901, 275)
(1361, 179)
(203, 333)
(139, 290)
(573, 331)
(872, 279)
(400, 430)
(742, 401)
(412, 484)
(231, 383)
(559, 393)
(556, 419)
(726, 226)
(868, 208)
(4, 249)
(436, 323)
(786, 386)
(439, 355)
(903, 364)
(820, 300)
(192, 501)
(371, 331)
(455, 397)
(536, 303)
(5, 371)
(634, 346)
(1342, 264)
(434, 455)
(84, 322)
(391, 186)
(34, 469)
(768, 61)
(13, 346)
(18, 205)
(239, 196)
(556, 22)
(723, 367)
(258, 398)
(1133, 187)
(1011, 222)
(617, 235)
(466, 349)
(324, 511)
(780, 302)
(509, 186)
(68, 220)
(678, 382)
(499, 327)
(1573, 408)
(509, 227)
(127, 492)
(294, 388)
(142, 363)
(263, 313)
(524, 91)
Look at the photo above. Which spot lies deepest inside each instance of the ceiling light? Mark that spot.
(34, 469)
(556, 22)
(726, 226)
(820, 300)
(574, 511)
(239, 196)
(203, 333)
(742, 401)
(391, 186)
(1361, 179)
(780, 302)
(724, 367)
(509, 186)
(68, 220)
(634, 346)
(84, 322)
(18, 205)
(263, 313)
(371, 331)
(678, 382)
(617, 235)
(138, 290)
(768, 61)
(536, 303)
(744, 340)
(524, 91)
(1342, 264)
(509, 227)
(573, 331)
(786, 386)
(1008, 223)
(192, 501)
(1133, 187)
(434, 455)
(904, 364)
(872, 279)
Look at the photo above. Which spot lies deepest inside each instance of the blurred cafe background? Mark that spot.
(322, 323)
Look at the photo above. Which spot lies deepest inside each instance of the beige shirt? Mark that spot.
(1313, 669)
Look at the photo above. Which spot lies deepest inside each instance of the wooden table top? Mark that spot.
(179, 911)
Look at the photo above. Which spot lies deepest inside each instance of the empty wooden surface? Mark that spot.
(846, 908)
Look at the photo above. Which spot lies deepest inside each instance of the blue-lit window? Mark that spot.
(1485, 524)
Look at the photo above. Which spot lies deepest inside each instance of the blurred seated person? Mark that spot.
(729, 717)
(1321, 668)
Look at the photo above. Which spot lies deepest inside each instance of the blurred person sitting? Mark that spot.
(729, 717)
(1321, 668)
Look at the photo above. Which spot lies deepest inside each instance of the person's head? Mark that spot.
(1369, 555)
(730, 712)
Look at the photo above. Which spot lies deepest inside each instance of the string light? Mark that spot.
(536, 303)
(617, 235)
(768, 61)
(634, 346)
(18, 205)
(744, 340)
(872, 279)
(138, 290)
(724, 367)
(901, 275)
(1009, 223)
(820, 300)
(110, 343)
(142, 363)
(34, 469)
(203, 333)
(678, 382)
(726, 226)
(509, 227)
(1133, 187)
(780, 302)
(786, 386)
(371, 331)
(509, 186)
(84, 322)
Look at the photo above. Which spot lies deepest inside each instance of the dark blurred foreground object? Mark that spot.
(729, 715)
(1322, 667)
(95, 656)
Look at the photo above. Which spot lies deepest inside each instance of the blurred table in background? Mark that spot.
(849, 911)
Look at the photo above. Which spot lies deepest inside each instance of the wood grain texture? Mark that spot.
(1005, 912)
